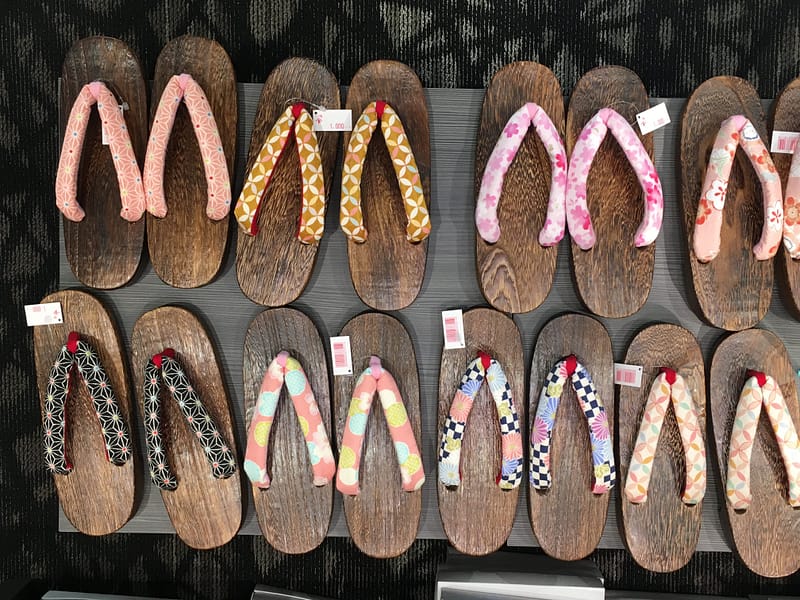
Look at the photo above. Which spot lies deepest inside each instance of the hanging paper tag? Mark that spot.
(453, 327)
(333, 120)
(630, 375)
(43, 314)
(340, 350)
(653, 118)
(784, 142)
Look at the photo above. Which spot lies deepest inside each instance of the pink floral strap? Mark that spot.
(115, 132)
(737, 130)
(589, 140)
(184, 87)
(791, 209)
(500, 160)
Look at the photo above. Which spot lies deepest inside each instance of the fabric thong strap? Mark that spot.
(668, 386)
(758, 390)
(311, 225)
(351, 218)
(594, 132)
(503, 154)
(115, 132)
(377, 379)
(482, 367)
(791, 209)
(605, 472)
(184, 88)
(163, 366)
(285, 369)
(77, 353)
(737, 131)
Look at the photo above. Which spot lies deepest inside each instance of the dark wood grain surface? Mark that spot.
(103, 249)
(515, 273)
(273, 267)
(614, 277)
(206, 512)
(293, 513)
(186, 247)
(662, 532)
(766, 535)
(477, 515)
(383, 519)
(568, 519)
(734, 289)
(97, 497)
(387, 270)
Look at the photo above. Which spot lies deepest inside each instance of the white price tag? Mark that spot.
(630, 375)
(653, 118)
(453, 327)
(340, 350)
(784, 142)
(43, 314)
(333, 120)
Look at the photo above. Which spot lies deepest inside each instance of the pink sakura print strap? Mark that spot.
(184, 87)
(594, 132)
(737, 130)
(791, 209)
(505, 150)
(115, 131)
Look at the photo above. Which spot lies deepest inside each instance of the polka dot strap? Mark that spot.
(668, 388)
(312, 217)
(115, 131)
(185, 88)
(286, 369)
(351, 218)
(605, 472)
(377, 379)
(80, 355)
(164, 367)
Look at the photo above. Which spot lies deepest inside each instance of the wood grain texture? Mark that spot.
(568, 519)
(614, 277)
(477, 515)
(383, 519)
(97, 497)
(661, 533)
(103, 250)
(293, 513)
(733, 290)
(387, 270)
(186, 247)
(206, 512)
(767, 535)
(273, 267)
(515, 273)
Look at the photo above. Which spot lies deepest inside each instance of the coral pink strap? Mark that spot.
(791, 209)
(737, 130)
(184, 87)
(115, 132)
(594, 132)
(500, 160)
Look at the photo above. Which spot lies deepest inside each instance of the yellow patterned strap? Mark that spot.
(405, 168)
(312, 218)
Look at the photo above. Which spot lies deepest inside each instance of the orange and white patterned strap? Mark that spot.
(115, 132)
(312, 218)
(351, 217)
(184, 87)
(760, 389)
(668, 385)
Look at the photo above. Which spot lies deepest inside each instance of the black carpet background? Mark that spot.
(673, 46)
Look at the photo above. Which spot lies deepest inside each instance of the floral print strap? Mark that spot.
(286, 369)
(483, 367)
(405, 166)
(791, 209)
(605, 472)
(184, 87)
(668, 385)
(79, 354)
(164, 367)
(737, 130)
(312, 217)
(115, 131)
(377, 379)
(589, 140)
(758, 390)
(500, 160)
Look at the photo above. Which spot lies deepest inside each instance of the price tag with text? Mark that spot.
(453, 326)
(43, 314)
(630, 375)
(340, 350)
(653, 118)
(333, 120)
(784, 142)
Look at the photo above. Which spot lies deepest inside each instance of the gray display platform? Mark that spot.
(450, 282)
